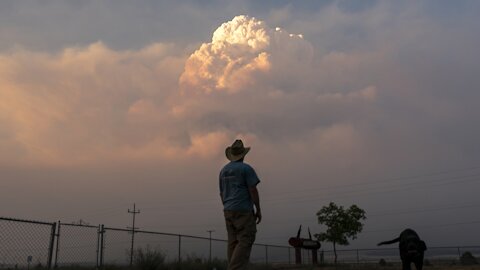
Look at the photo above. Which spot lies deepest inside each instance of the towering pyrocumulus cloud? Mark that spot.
(240, 51)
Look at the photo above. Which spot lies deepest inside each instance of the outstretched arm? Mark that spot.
(256, 201)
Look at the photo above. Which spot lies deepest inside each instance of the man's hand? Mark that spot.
(256, 202)
(258, 216)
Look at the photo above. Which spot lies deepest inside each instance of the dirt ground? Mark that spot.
(377, 267)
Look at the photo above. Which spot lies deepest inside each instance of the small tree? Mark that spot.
(341, 224)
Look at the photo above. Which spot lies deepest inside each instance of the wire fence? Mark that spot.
(26, 243)
(76, 245)
(436, 255)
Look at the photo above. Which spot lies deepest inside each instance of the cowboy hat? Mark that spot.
(237, 151)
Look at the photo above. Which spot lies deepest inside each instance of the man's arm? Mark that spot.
(256, 201)
(221, 196)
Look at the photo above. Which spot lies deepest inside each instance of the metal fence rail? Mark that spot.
(25, 243)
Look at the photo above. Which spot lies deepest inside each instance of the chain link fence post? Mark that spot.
(179, 249)
(97, 261)
(55, 265)
(51, 245)
(289, 256)
(266, 254)
(100, 246)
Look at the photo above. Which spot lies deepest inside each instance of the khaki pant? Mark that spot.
(241, 228)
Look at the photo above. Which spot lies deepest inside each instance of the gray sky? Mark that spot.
(107, 103)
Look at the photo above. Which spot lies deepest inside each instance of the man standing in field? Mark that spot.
(238, 190)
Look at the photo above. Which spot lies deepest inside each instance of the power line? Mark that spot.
(390, 213)
(388, 180)
(366, 191)
(403, 211)
(101, 212)
(428, 226)
(409, 211)
(326, 188)
(415, 184)
(356, 193)
(347, 193)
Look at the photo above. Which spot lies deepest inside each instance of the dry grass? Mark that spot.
(377, 267)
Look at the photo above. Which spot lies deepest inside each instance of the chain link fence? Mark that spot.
(434, 255)
(76, 244)
(26, 244)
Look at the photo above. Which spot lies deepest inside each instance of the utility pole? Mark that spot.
(210, 233)
(134, 212)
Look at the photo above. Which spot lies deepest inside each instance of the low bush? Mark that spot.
(148, 259)
(467, 258)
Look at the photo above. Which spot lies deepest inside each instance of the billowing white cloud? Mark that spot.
(240, 51)
(237, 50)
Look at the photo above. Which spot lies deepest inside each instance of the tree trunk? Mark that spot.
(335, 252)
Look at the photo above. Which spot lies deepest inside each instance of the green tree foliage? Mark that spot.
(341, 224)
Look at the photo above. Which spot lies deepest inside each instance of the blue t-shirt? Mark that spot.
(235, 180)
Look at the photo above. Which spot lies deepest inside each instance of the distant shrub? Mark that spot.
(193, 262)
(427, 262)
(148, 259)
(467, 258)
(382, 262)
